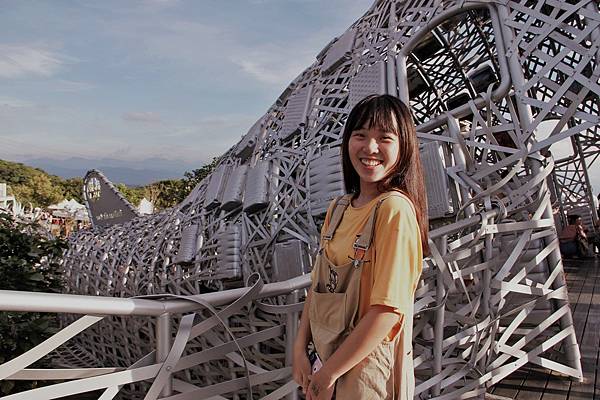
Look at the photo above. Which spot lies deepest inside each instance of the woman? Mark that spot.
(573, 239)
(358, 312)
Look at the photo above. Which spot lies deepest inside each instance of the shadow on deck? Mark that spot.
(583, 281)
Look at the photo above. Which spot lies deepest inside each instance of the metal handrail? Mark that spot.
(166, 350)
(11, 300)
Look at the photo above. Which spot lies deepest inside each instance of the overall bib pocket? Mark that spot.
(328, 310)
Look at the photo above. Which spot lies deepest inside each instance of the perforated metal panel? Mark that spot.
(296, 112)
(228, 251)
(325, 180)
(370, 80)
(233, 195)
(290, 259)
(106, 204)
(245, 147)
(339, 52)
(214, 191)
(436, 181)
(188, 246)
(257, 187)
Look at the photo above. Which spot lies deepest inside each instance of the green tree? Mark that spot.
(36, 187)
(133, 194)
(168, 193)
(194, 177)
(13, 173)
(28, 262)
(72, 188)
(44, 191)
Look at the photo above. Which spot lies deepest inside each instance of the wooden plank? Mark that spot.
(533, 386)
(509, 386)
(557, 387)
(589, 336)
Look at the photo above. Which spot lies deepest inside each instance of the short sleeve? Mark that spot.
(397, 255)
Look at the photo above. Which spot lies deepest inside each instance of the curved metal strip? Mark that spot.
(16, 364)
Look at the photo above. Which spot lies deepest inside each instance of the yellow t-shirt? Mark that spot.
(394, 260)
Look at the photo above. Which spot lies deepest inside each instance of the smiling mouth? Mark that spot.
(369, 162)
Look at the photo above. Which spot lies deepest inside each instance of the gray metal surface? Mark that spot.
(106, 205)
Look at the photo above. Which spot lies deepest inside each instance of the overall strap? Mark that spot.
(364, 240)
(341, 204)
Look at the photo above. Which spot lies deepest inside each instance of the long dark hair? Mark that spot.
(390, 114)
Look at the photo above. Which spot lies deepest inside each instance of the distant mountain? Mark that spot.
(131, 173)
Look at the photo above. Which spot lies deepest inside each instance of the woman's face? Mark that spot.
(373, 154)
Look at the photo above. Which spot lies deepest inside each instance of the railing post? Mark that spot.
(487, 291)
(163, 346)
(291, 328)
(440, 313)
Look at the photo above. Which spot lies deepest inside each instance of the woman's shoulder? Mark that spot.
(396, 202)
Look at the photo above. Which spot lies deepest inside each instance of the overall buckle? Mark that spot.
(359, 252)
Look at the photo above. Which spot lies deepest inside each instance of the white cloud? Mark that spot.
(214, 50)
(274, 64)
(142, 116)
(161, 3)
(15, 103)
(19, 61)
(223, 129)
(64, 85)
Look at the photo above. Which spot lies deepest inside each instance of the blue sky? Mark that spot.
(136, 79)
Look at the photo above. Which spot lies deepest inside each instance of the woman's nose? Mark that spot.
(371, 146)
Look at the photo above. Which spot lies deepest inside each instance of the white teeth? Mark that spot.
(370, 162)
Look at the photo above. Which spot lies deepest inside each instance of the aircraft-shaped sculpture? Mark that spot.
(482, 78)
(106, 205)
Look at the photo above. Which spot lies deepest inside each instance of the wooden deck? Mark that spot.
(583, 281)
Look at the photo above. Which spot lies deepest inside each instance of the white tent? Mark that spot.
(70, 208)
(145, 207)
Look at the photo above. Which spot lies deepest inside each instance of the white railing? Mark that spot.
(168, 358)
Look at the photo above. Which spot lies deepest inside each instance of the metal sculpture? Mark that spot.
(481, 78)
(106, 205)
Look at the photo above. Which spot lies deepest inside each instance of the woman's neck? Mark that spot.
(367, 193)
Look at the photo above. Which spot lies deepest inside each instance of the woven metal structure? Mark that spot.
(483, 78)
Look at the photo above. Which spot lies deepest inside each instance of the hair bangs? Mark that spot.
(378, 113)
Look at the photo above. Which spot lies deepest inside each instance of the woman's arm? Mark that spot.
(369, 332)
(303, 336)
(301, 365)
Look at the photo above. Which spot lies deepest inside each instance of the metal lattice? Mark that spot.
(481, 77)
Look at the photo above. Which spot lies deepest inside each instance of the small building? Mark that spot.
(68, 216)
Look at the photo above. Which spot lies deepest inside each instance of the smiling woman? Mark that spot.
(359, 313)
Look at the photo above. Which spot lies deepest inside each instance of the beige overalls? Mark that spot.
(333, 314)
